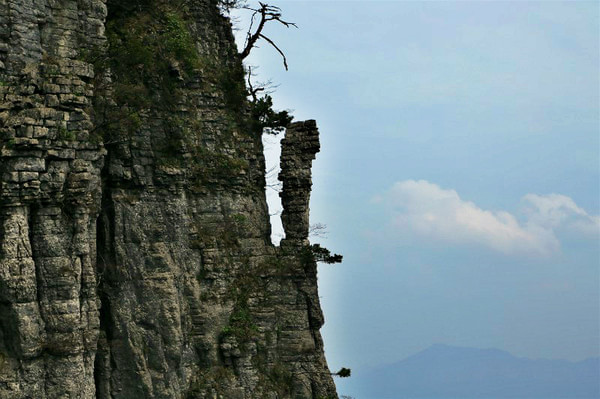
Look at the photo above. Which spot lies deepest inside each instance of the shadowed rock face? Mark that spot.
(298, 149)
(135, 259)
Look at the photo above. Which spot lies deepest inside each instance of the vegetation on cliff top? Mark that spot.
(152, 56)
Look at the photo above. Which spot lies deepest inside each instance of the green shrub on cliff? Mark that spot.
(149, 55)
(267, 120)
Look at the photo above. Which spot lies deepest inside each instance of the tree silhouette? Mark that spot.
(264, 13)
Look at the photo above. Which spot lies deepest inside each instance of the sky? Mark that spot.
(459, 173)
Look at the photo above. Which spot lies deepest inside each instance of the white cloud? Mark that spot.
(428, 210)
(556, 211)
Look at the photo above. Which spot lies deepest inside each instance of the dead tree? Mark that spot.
(266, 13)
(253, 91)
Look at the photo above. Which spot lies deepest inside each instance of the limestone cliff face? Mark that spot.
(135, 259)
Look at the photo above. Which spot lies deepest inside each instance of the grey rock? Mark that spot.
(140, 266)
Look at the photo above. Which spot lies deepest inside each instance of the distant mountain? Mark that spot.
(444, 372)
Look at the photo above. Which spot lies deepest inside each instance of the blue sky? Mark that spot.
(459, 172)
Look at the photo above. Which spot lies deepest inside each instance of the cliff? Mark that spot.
(135, 259)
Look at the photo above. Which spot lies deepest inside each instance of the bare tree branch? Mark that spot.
(267, 13)
(317, 230)
(251, 89)
(276, 48)
(267, 87)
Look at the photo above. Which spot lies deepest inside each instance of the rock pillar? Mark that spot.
(298, 150)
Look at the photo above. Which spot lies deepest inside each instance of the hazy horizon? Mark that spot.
(462, 372)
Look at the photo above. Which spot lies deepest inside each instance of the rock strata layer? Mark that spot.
(135, 258)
